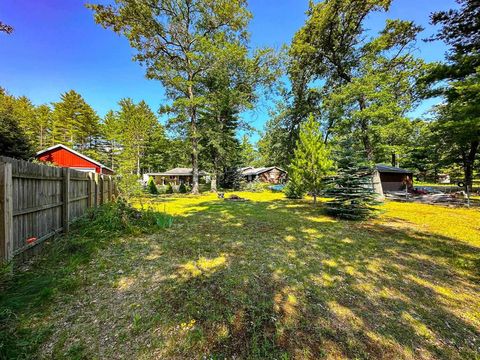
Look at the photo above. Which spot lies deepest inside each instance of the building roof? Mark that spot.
(179, 172)
(257, 171)
(390, 169)
(61, 146)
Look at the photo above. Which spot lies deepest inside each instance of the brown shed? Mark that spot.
(394, 178)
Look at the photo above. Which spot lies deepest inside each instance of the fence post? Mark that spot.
(95, 176)
(89, 190)
(101, 189)
(6, 212)
(110, 188)
(66, 199)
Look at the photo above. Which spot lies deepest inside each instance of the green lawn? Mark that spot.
(267, 278)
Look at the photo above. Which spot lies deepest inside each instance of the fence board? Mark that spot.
(39, 201)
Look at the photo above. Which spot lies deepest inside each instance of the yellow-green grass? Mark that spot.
(274, 278)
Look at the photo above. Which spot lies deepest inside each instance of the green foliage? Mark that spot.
(232, 179)
(182, 189)
(129, 186)
(56, 273)
(458, 80)
(311, 163)
(354, 84)
(354, 197)
(75, 123)
(169, 189)
(151, 186)
(294, 188)
(255, 186)
(213, 42)
(13, 141)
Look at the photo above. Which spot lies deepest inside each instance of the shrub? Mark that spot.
(151, 187)
(129, 186)
(255, 186)
(182, 189)
(169, 189)
(294, 190)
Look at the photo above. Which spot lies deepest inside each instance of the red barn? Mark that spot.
(63, 156)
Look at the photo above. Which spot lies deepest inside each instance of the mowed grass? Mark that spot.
(266, 278)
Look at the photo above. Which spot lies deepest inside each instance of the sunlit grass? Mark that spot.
(271, 278)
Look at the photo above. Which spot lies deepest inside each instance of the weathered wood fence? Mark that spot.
(40, 201)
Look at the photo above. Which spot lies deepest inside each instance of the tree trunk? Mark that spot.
(468, 162)
(194, 139)
(213, 182)
(138, 161)
(314, 199)
(364, 127)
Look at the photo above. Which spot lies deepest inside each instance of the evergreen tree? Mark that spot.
(352, 189)
(294, 188)
(169, 189)
(182, 189)
(311, 162)
(13, 141)
(151, 187)
(75, 123)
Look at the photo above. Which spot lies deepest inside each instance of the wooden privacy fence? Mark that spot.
(40, 201)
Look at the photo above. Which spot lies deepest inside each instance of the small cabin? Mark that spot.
(175, 176)
(272, 175)
(63, 156)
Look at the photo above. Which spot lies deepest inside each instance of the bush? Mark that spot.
(129, 186)
(169, 189)
(294, 190)
(119, 216)
(256, 186)
(182, 189)
(151, 187)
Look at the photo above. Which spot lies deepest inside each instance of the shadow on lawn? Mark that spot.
(269, 280)
(276, 279)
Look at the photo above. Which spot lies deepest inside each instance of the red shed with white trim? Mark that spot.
(63, 156)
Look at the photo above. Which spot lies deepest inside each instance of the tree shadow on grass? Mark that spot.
(276, 280)
(294, 283)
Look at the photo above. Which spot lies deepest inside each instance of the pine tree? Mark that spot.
(75, 123)
(352, 189)
(182, 189)
(311, 163)
(13, 141)
(151, 187)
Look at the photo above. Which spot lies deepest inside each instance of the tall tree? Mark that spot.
(312, 159)
(365, 86)
(75, 123)
(179, 41)
(458, 80)
(137, 123)
(13, 141)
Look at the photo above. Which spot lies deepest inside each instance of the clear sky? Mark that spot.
(57, 46)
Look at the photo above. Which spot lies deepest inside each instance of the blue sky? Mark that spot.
(57, 46)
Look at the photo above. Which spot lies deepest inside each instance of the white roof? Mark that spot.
(61, 146)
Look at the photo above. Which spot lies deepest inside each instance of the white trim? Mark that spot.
(85, 157)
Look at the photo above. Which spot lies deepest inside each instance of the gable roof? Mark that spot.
(390, 169)
(61, 146)
(179, 172)
(257, 171)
